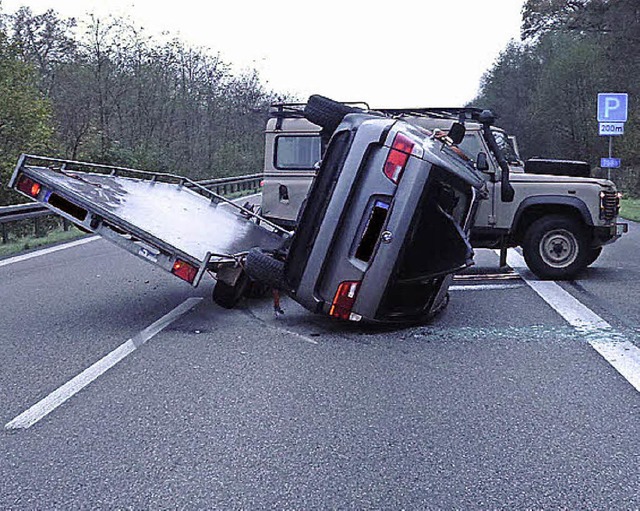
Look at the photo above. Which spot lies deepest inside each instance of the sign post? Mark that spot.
(612, 114)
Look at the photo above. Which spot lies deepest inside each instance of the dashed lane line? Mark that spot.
(623, 355)
(44, 407)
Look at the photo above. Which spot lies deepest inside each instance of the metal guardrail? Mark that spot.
(221, 186)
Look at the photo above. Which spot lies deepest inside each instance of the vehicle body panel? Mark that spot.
(316, 270)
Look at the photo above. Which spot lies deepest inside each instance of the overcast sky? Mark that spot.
(402, 53)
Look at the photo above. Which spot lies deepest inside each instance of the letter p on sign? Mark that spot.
(612, 107)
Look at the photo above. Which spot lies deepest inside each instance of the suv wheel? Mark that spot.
(556, 247)
(327, 113)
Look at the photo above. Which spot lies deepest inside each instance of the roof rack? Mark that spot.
(458, 113)
(289, 110)
(461, 114)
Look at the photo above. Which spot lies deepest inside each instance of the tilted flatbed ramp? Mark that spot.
(162, 218)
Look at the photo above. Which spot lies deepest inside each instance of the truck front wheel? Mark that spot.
(556, 247)
(594, 253)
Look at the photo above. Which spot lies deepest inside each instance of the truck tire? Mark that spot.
(265, 269)
(556, 247)
(594, 253)
(228, 296)
(327, 113)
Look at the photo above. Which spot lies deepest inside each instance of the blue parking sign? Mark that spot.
(612, 107)
(610, 163)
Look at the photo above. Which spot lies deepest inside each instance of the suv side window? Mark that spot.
(299, 152)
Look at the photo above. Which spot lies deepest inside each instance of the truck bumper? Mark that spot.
(603, 235)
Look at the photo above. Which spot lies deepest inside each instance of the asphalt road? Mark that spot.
(498, 403)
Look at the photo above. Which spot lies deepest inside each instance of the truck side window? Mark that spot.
(297, 152)
(471, 146)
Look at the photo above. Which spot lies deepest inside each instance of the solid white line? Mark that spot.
(623, 355)
(484, 287)
(45, 251)
(42, 408)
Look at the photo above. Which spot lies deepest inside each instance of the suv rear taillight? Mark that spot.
(344, 299)
(398, 156)
(28, 186)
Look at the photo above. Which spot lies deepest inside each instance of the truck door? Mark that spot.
(290, 166)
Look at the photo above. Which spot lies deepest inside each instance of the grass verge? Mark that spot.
(29, 242)
(630, 209)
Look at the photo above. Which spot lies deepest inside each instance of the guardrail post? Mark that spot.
(5, 235)
(37, 229)
(65, 224)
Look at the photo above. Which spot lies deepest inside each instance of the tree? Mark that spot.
(25, 115)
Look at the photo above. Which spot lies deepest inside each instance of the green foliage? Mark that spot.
(102, 90)
(25, 115)
(630, 209)
(545, 88)
(27, 241)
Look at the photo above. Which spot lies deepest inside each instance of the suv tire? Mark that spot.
(327, 113)
(264, 269)
(556, 247)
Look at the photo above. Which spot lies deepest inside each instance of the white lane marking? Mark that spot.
(42, 408)
(45, 251)
(484, 287)
(623, 355)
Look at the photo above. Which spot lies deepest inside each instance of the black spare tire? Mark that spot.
(327, 113)
(264, 268)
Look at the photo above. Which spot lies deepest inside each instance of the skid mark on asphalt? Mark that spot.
(47, 405)
(274, 325)
(622, 354)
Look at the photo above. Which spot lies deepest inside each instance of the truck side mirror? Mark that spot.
(482, 162)
(456, 133)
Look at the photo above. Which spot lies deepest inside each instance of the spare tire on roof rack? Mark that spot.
(327, 113)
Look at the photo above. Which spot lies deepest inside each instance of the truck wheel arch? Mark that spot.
(533, 208)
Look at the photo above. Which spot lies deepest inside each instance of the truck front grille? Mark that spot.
(609, 205)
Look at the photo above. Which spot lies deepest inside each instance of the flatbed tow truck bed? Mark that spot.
(162, 218)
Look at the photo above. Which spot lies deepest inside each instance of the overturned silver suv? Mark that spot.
(385, 224)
